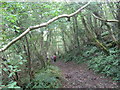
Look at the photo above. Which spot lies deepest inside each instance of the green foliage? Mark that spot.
(73, 56)
(11, 84)
(79, 59)
(104, 33)
(90, 51)
(13, 66)
(108, 65)
(68, 57)
(47, 78)
(80, 56)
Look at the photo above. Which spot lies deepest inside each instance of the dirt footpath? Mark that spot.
(79, 76)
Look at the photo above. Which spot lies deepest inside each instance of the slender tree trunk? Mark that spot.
(63, 38)
(75, 29)
(118, 17)
(42, 50)
(77, 32)
(28, 58)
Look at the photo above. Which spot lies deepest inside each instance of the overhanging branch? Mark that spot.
(43, 25)
(101, 19)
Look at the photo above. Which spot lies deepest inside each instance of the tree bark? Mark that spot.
(29, 58)
(93, 37)
(118, 17)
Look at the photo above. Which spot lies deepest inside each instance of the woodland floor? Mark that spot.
(79, 76)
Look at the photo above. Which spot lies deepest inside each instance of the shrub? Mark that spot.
(108, 65)
(47, 78)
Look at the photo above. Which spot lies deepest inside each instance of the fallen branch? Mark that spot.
(43, 25)
(101, 19)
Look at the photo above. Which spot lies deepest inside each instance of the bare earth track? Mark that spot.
(79, 76)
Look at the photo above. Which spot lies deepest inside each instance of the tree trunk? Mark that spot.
(28, 58)
(42, 56)
(63, 38)
(93, 37)
(118, 17)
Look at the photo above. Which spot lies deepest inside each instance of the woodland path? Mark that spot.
(79, 76)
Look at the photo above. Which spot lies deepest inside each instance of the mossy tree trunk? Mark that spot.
(93, 37)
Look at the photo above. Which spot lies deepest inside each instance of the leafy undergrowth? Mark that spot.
(108, 65)
(73, 55)
(46, 78)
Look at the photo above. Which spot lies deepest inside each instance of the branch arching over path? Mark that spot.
(42, 25)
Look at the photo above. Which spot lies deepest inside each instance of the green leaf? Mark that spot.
(15, 66)
(10, 66)
(5, 69)
(21, 63)
(10, 75)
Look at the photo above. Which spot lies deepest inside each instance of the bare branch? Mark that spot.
(101, 19)
(42, 25)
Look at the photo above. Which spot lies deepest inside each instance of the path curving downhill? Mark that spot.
(79, 76)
